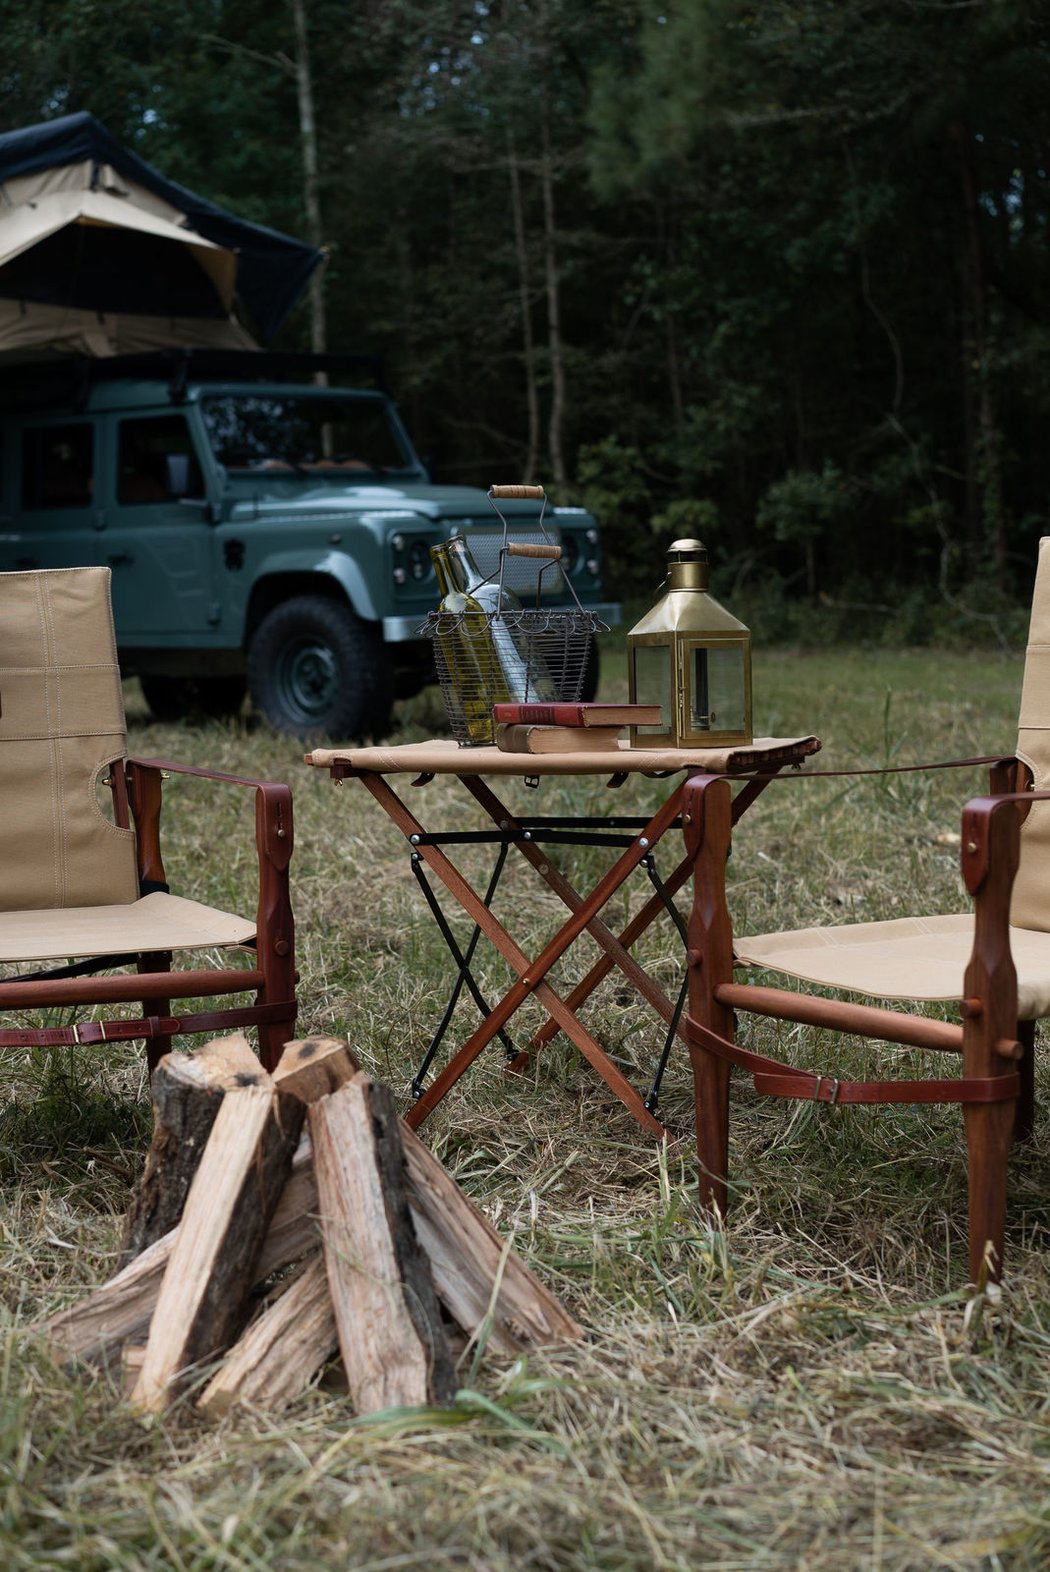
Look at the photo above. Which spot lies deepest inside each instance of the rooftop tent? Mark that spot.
(100, 254)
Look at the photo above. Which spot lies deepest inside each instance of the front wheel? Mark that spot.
(314, 668)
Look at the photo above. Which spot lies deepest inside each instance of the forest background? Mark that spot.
(771, 273)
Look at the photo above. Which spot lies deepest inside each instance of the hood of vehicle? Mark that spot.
(255, 498)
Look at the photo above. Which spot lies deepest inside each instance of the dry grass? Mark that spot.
(804, 1390)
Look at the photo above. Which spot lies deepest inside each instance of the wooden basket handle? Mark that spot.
(515, 548)
(517, 493)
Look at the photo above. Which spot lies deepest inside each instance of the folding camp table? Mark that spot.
(479, 770)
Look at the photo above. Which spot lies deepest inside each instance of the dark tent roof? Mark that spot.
(273, 269)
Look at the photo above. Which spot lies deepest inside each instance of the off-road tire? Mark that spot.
(315, 669)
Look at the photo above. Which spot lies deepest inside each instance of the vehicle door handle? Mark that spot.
(120, 559)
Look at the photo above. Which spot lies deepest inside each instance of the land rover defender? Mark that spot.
(264, 531)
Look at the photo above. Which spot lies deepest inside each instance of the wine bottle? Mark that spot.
(522, 669)
(466, 649)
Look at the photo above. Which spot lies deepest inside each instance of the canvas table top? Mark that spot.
(441, 756)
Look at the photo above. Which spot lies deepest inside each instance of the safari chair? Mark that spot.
(89, 892)
(992, 960)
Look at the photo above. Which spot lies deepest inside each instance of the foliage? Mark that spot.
(785, 259)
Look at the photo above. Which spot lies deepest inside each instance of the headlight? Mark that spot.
(418, 560)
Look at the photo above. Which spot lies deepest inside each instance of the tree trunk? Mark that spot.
(528, 347)
(554, 337)
(986, 513)
(311, 179)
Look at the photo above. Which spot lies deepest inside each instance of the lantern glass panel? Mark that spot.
(717, 697)
(652, 683)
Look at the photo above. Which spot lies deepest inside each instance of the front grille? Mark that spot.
(520, 573)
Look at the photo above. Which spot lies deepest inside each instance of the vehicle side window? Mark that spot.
(57, 466)
(156, 461)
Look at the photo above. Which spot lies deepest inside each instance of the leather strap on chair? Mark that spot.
(88, 1033)
(776, 1079)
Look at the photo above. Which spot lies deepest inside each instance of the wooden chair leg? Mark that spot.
(707, 823)
(992, 842)
(156, 1047)
(711, 1095)
(1024, 1117)
(989, 1133)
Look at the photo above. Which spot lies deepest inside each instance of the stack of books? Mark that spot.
(567, 728)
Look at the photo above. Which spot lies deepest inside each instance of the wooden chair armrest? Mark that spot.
(274, 836)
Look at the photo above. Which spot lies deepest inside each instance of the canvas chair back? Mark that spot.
(61, 724)
(1031, 897)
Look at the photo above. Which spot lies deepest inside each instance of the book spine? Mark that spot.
(530, 714)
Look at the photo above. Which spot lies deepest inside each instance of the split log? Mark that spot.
(311, 1067)
(119, 1311)
(466, 1254)
(464, 1249)
(391, 1337)
(217, 1244)
(275, 1358)
(188, 1089)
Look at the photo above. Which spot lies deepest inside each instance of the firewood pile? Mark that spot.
(285, 1219)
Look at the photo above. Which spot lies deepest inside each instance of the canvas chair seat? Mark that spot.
(914, 958)
(992, 963)
(88, 890)
(156, 923)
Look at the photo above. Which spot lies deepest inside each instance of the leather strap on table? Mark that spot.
(88, 1033)
(776, 1079)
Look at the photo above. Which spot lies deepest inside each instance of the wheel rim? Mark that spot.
(308, 679)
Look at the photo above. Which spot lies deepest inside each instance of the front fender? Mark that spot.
(336, 565)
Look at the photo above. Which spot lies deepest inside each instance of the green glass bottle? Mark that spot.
(521, 668)
(467, 650)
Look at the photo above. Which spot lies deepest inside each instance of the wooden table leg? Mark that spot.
(532, 973)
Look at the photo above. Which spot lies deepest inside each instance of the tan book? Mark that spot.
(558, 739)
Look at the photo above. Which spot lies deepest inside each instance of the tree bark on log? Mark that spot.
(277, 1354)
(188, 1089)
(479, 1279)
(391, 1336)
(119, 1311)
(218, 1241)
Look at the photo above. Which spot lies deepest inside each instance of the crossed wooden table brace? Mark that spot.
(634, 837)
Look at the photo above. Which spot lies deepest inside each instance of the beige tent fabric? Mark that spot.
(925, 957)
(36, 205)
(156, 922)
(61, 723)
(84, 175)
(26, 226)
(29, 329)
(920, 958)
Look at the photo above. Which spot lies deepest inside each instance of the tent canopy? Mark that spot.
(100, 252)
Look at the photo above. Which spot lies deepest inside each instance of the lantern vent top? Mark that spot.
(687, 567)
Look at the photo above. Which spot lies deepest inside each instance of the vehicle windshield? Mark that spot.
(294, 432)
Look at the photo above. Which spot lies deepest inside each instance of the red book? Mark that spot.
(536, 714)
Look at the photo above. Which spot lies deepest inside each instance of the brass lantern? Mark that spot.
(690, 656)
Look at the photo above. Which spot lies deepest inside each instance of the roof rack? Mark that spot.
(67, 379)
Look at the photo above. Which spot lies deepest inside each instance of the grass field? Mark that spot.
(808, 1389)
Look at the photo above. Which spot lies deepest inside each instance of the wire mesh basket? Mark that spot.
(496, 651)
(495, 657)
